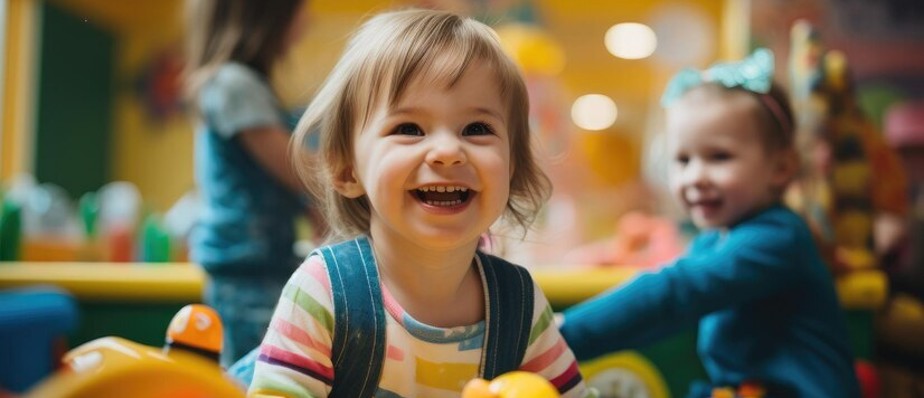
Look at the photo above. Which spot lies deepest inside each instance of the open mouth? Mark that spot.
(443, 196)
(708, 205)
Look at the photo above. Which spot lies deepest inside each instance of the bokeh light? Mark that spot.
(630, 40)
(594, 112)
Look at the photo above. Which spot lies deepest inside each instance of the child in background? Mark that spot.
(752, 279)
(426, 143)
(251, 195)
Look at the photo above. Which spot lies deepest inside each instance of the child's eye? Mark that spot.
(408, 129)
(720, 156)
(478, 128)
(682, 160)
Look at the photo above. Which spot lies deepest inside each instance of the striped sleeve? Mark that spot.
(548, 355)
(295, 356)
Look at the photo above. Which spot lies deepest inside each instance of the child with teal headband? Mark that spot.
(752, 280)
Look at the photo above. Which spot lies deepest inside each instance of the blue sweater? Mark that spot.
(764, 300)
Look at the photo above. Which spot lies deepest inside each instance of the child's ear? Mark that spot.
(787, 165)
(348, 185)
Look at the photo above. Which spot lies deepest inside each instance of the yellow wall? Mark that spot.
(155, 155)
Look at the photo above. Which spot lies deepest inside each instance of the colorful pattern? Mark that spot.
(420, 360)
(853, 175)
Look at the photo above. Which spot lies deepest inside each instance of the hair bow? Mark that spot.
(754, 73)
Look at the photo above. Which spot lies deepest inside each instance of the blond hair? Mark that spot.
(382, 58)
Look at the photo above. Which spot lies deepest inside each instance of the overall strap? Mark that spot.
(509, 318)
(359, 329)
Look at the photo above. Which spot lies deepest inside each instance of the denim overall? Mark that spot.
(359, 329)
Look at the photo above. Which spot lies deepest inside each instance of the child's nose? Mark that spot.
(446, 150)
(695, 174)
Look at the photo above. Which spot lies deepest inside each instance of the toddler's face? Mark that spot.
(435, 166)
(720, 171)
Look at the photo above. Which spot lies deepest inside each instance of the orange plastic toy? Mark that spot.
(516, 384)
(196, 328)
(116, 367)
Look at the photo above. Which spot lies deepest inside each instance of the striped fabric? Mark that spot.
(420, 360)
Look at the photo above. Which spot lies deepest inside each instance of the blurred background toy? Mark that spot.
(856, 195)
(119, 212)
(40, 222)
(34, 323)
(625, 374)
(746, 390)
(640, 240)
(901, 324)
(185, 367)
(843, 193)
(904, 131)
(844, 153)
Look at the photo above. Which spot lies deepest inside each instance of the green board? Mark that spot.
(74, 102)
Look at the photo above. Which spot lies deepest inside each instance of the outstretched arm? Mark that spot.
(753, 261)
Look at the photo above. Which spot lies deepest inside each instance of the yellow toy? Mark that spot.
(115, 367)
(516, 384)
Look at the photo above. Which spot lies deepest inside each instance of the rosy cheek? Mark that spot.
(676, 189)
(675, 178)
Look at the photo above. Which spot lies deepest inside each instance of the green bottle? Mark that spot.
(10, 231)
(155, 244)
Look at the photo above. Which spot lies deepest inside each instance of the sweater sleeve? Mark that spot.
(753, 260)
(548, 355)
(295, 356)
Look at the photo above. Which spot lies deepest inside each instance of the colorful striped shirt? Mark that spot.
(420, 360)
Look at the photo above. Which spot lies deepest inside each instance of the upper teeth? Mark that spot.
(442, 188)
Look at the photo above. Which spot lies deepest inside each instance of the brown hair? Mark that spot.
(252, 32)
(382, 57)
(777, 113)
(773, 111)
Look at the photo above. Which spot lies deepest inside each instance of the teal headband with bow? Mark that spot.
(754, 73)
